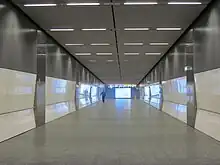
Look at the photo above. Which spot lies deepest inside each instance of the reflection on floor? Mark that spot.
(118, 132)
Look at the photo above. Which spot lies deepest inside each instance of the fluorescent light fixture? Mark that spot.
(92, 60)
(159, 44)
(82, 54)
(188, 68)
(184, 3)
(74, 44)
(97, 29)
(152, 54)
(45, 45)
(125, 60)
(100, 44)
(131, 54)
(140, 3)
(83, 4)
(168, 29)
(187, 44)
(136, 29)
(40, 5)
(61, 30)
(133, 44)
(103, 54)
(110, 60)
(42, 54)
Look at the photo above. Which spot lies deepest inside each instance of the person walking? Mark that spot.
(103, 94)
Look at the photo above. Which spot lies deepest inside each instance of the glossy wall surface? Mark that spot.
(190, 74)
(38, 76)
(207, 71)
(17, 73)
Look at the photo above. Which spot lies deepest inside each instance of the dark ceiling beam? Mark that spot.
(116, 40)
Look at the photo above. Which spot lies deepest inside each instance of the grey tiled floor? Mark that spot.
(115, 133)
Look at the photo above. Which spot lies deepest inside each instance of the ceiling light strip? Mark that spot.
(104, 54)
(74, 44)
(61, 30)
(133, 44)
(168, 29)
(99, 44)
(159, 44)
(96, 29)
(82, 54)
(152, 53)
(136, 29)
(140, 3)
(41, 5)
(130, 54)
(92, 60)
(83, 4)
(110, 60)
(184, 3)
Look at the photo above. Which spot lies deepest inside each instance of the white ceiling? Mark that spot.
(132, 68)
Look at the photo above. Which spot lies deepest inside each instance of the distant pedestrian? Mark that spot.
(103, 94)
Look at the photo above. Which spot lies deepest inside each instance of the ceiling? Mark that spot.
(115, 16)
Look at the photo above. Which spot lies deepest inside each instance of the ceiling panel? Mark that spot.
(133, 68)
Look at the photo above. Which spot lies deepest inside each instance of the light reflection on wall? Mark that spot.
(59, 86)
(23, 90)
(61, 107)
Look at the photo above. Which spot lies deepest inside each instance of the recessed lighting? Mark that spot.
(100, 44)
(74, 44)
(187, 44)
(134, 44)
(136, 29)
(45, 45)
(61, 30)
(92, 60)
(82, 54)
(159, 44)
(131, 54)
(110, 60)
(140, 3)
(152, 53)
(40, 5)
(99, 29)
(184, 3)
(103, 54)
(83, 4)
(168, 29)
(41, 54)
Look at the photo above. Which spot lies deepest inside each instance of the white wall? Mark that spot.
(17, 101)
(171, 91)
(208, 102)
(15, 123)
(60, 98)
(175, 98)
(178, 111)
(208, 90)
(17, 90)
